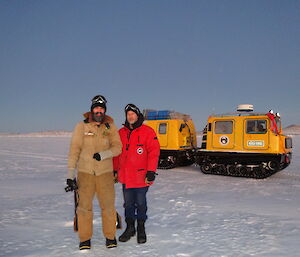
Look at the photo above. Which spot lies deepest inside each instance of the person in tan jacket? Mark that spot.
(95, 141)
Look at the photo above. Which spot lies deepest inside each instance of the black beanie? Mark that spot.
(98, 100)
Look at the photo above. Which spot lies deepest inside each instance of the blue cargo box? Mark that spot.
(152, 115)
(162, 115)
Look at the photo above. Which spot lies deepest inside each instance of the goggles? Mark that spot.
(99, 99)
(131, 107)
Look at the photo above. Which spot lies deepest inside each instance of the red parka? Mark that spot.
(140, 153)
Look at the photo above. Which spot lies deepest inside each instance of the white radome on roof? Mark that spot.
(245, 108)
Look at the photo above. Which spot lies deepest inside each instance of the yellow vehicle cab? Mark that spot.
(177, 137)
(244, 143)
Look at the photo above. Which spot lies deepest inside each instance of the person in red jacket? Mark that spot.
(135, 168)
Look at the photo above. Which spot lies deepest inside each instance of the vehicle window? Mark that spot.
(256, 126)
(162, 128)
(278, 123)
(223, 127)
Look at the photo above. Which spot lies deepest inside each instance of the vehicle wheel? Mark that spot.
(167, 163)
(273, 165)
(231, 170)
(206, 168)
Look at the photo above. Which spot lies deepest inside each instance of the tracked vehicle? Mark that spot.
(177, 137)
(244, 144)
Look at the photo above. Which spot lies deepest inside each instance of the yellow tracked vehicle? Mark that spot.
(245, 144)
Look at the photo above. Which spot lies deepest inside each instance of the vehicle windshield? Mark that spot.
(278, 123)
(256, 126)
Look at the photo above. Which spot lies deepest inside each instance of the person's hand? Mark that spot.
(71, 185)
(150, 177)
(97, 157)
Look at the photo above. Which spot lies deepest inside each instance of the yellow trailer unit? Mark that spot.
(177, 137)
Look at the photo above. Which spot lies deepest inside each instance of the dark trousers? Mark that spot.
(135, 202)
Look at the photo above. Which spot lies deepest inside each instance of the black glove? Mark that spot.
(150, 176)
(97, 156)
(72, 185)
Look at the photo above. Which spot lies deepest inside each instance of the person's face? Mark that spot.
(131, 117)
(98, 111)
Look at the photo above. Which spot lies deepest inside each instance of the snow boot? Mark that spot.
(111, 243)
(141, 234)
(86, 245)
(129, 231)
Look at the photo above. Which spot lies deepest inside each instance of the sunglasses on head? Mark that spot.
(99, 99)
(131, 107)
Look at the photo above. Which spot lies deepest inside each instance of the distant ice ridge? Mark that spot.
(292, 130)
(39, 134)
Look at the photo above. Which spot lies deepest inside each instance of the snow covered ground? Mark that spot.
(190, 214)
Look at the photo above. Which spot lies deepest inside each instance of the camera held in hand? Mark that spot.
(71, 185)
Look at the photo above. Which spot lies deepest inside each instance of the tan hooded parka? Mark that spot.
(89, 138)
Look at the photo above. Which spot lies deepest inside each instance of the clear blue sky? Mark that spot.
(197, 57)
